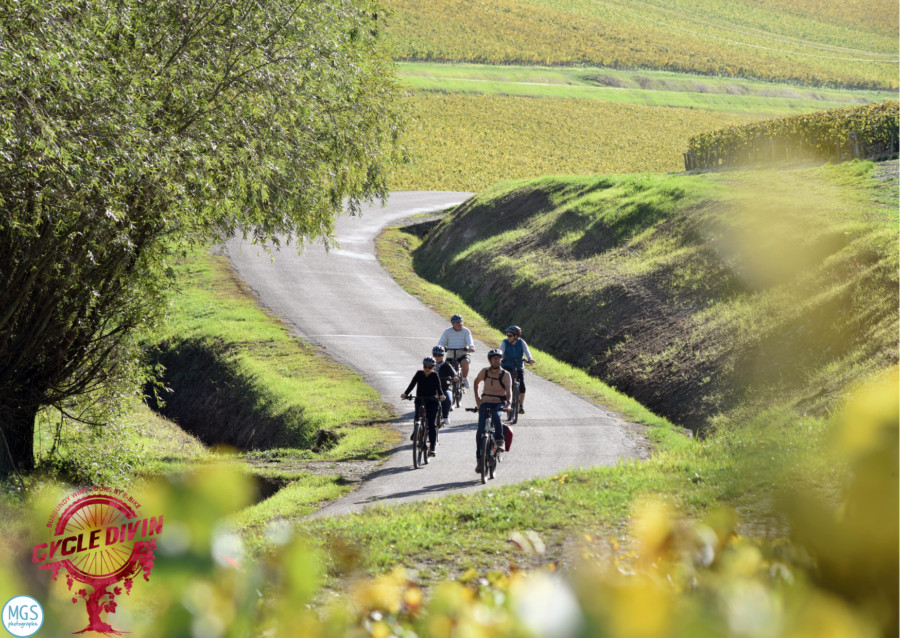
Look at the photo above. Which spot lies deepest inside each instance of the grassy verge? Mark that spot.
(278, 390)
(650, 88)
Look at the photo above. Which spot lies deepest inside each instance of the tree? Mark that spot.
(131, 129)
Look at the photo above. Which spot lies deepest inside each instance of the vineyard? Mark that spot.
(760, 39)
(468, 143)
(847, 133)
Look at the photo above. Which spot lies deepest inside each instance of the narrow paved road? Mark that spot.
(346, 303)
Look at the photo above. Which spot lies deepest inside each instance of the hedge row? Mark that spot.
(838, 134)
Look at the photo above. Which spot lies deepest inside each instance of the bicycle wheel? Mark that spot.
(415, 444)
(513, 413)
(492, 470)
(457, 393)
(485, 458)
(423, 444)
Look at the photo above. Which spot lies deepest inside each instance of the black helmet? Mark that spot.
(428, 361)
(438, 350)
(516, 330)
(456, 318)
(494, 353)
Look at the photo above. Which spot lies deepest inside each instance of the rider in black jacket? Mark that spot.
(427, 386)
(447, 374)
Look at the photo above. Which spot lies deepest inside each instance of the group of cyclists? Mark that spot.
(449, 362)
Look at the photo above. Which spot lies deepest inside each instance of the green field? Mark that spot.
(805, 42)
(650, 88)
(469, 142)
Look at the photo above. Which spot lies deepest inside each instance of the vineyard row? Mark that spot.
(838, 134)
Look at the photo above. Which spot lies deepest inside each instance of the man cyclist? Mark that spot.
(456, 337)
(447, 375)
(428, 387)
(497, 393)
(515, 354)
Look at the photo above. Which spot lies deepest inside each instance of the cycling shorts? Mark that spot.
(518, 374)
(463, 356)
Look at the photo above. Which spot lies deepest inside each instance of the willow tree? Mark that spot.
(129, 129)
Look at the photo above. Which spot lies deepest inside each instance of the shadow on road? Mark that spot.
(430, 489)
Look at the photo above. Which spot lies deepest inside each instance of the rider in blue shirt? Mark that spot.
(515, 354)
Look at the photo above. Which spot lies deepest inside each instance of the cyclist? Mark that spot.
(447, 374)
(497, 394)
(429, 387)
(515, 354)
(456, 337)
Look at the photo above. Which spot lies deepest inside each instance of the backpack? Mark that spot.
(500, 380)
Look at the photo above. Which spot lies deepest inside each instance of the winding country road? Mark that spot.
(346, 303)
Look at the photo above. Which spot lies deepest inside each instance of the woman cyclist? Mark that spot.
(428, 387)
(515, 354)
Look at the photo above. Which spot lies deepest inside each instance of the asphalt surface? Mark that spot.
(346, 303)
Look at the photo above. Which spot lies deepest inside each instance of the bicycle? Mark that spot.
(513, 415)
(490, 447)
(458, 389)
(420, 433)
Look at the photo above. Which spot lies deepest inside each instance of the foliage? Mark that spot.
(761, 39)
(129, 128)
(834, 573)
(865, 131)
(468, 143)
(704, 297)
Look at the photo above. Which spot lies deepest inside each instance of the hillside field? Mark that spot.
(468, 143)
(805, 42)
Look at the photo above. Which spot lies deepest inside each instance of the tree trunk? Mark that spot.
(17, 441)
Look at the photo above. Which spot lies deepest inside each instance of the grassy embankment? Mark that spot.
(736, 465)
(709, 298)
(649, 88)
(235, 366)
(807, 42)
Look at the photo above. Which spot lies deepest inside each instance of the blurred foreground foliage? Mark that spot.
(834, 573)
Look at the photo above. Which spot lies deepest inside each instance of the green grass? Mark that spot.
(650, 88)
(303, 495)
(289, 383)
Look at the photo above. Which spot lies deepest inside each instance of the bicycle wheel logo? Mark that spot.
(99, 539)
(22, 616)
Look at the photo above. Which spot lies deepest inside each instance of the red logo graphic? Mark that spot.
(101, 540)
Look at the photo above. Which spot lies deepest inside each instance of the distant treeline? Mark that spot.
(838, 134)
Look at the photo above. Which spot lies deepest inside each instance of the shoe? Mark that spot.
(412, 436)
(478, 468)
(465, 382)
(447, 421)
(521, 410)
(432, 452)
